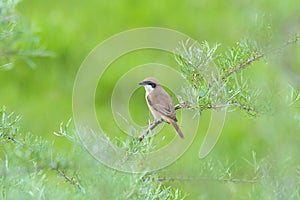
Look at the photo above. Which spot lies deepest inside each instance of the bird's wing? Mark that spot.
(166, 109)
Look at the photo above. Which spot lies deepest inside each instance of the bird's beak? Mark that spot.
(142, 83)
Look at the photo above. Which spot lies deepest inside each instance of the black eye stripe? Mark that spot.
(153, 85)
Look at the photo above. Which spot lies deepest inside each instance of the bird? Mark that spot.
(160, 103)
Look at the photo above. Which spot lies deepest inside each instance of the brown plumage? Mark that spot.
(160, 103)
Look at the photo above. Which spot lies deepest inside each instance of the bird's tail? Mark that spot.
(174, 124)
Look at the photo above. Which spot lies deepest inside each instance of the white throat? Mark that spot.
(148, 89)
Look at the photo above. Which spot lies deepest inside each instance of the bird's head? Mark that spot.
(150, 84)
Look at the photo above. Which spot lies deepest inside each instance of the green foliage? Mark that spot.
(8, 128)
(133, 145)
(216, 81)
(25, 160)
(28, 162)
(18, 40)
(150, 188)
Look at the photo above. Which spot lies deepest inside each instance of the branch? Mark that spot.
(245, 64)
(150, 128)
(186, 105)
(157, 122)
(259, 56)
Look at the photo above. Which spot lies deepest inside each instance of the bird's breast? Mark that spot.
(156, 115)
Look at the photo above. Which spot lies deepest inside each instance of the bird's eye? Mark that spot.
(153, 85)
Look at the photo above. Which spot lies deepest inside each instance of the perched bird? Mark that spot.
(160, 103)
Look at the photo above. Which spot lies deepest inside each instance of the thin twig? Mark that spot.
(172, 179)
(70, 180)
(182, 105)
(220, 106)
(286, 44)
(66, 177)
(14, 140)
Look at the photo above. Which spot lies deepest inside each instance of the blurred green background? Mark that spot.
(71, 29)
